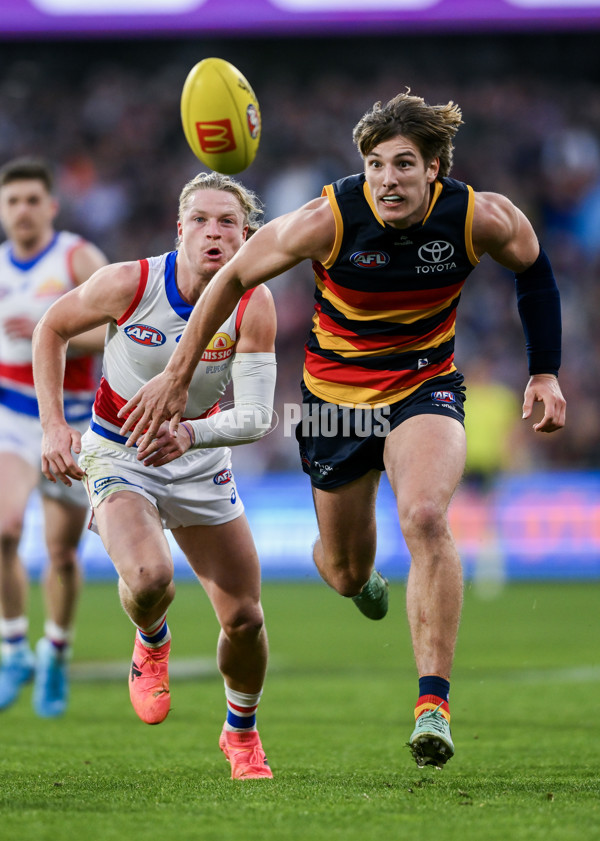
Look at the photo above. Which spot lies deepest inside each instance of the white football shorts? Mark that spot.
(197, 489)
(22, 435)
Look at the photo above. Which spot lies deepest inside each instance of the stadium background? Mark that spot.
(99, 95)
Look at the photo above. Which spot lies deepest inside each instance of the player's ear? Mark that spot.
(433, 169)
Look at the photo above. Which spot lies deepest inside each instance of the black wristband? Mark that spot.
(538, 301)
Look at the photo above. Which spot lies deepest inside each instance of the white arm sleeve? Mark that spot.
(253, 376)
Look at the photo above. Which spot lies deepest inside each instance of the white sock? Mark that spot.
(14, 635)
(241, 710)
(57, 635)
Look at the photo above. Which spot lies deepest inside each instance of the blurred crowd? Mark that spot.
(107, 116)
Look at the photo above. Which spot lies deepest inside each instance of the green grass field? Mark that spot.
(336, 713)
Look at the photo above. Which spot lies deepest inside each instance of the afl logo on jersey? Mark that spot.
(370, 259)
(223, 476)
(438, 251)
(143, 334)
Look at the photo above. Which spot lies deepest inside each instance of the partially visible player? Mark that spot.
(183, 483)
(37, 266)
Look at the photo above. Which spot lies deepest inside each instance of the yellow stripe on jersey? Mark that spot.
(437, 189)
(371, 203)
(469, 227)
(339, 225)
(394, 316)
(345, 348)
(350, 395)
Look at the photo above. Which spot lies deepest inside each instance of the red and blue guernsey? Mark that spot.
(386, 298)
(140, 343)
(27, 290)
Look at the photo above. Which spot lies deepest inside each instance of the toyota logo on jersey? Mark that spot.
(437, 256)
(438, 251)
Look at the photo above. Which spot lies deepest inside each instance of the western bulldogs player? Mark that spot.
(180, 482)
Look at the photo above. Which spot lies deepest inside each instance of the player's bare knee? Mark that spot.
(423, 520)
(11, 529)
(63, 559)
(244, 625)
(148, 584)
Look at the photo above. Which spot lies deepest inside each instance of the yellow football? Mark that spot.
(220, 116)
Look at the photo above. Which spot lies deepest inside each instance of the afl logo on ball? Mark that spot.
(370, 259)
(223, 476)
(253, 118)
(143, 334)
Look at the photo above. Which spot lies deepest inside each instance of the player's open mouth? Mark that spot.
(392, 199)
(213, 252)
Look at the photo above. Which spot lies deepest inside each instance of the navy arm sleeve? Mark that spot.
(538, 301)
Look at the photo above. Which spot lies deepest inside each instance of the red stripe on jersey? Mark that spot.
(331, 371)
(244, 301)
(78, 374)
(108, 403)
(17, 373)
(69, 259)
(380, 342)
(138, 295)
(402, 300)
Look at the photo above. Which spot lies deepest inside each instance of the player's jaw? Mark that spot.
(25, 231)
(401, 209)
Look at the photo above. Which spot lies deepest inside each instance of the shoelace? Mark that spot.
(256, 760)
(435, 719)
(154, 666)
(372, 589)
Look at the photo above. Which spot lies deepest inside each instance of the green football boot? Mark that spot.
(431, 742)
(372, 600)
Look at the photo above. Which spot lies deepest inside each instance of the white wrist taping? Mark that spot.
(253, 376)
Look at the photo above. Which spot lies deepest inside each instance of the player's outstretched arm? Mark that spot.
(307, 233)
(504, 232)
(253, 375)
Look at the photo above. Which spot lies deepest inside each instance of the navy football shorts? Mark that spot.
(339, 444)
